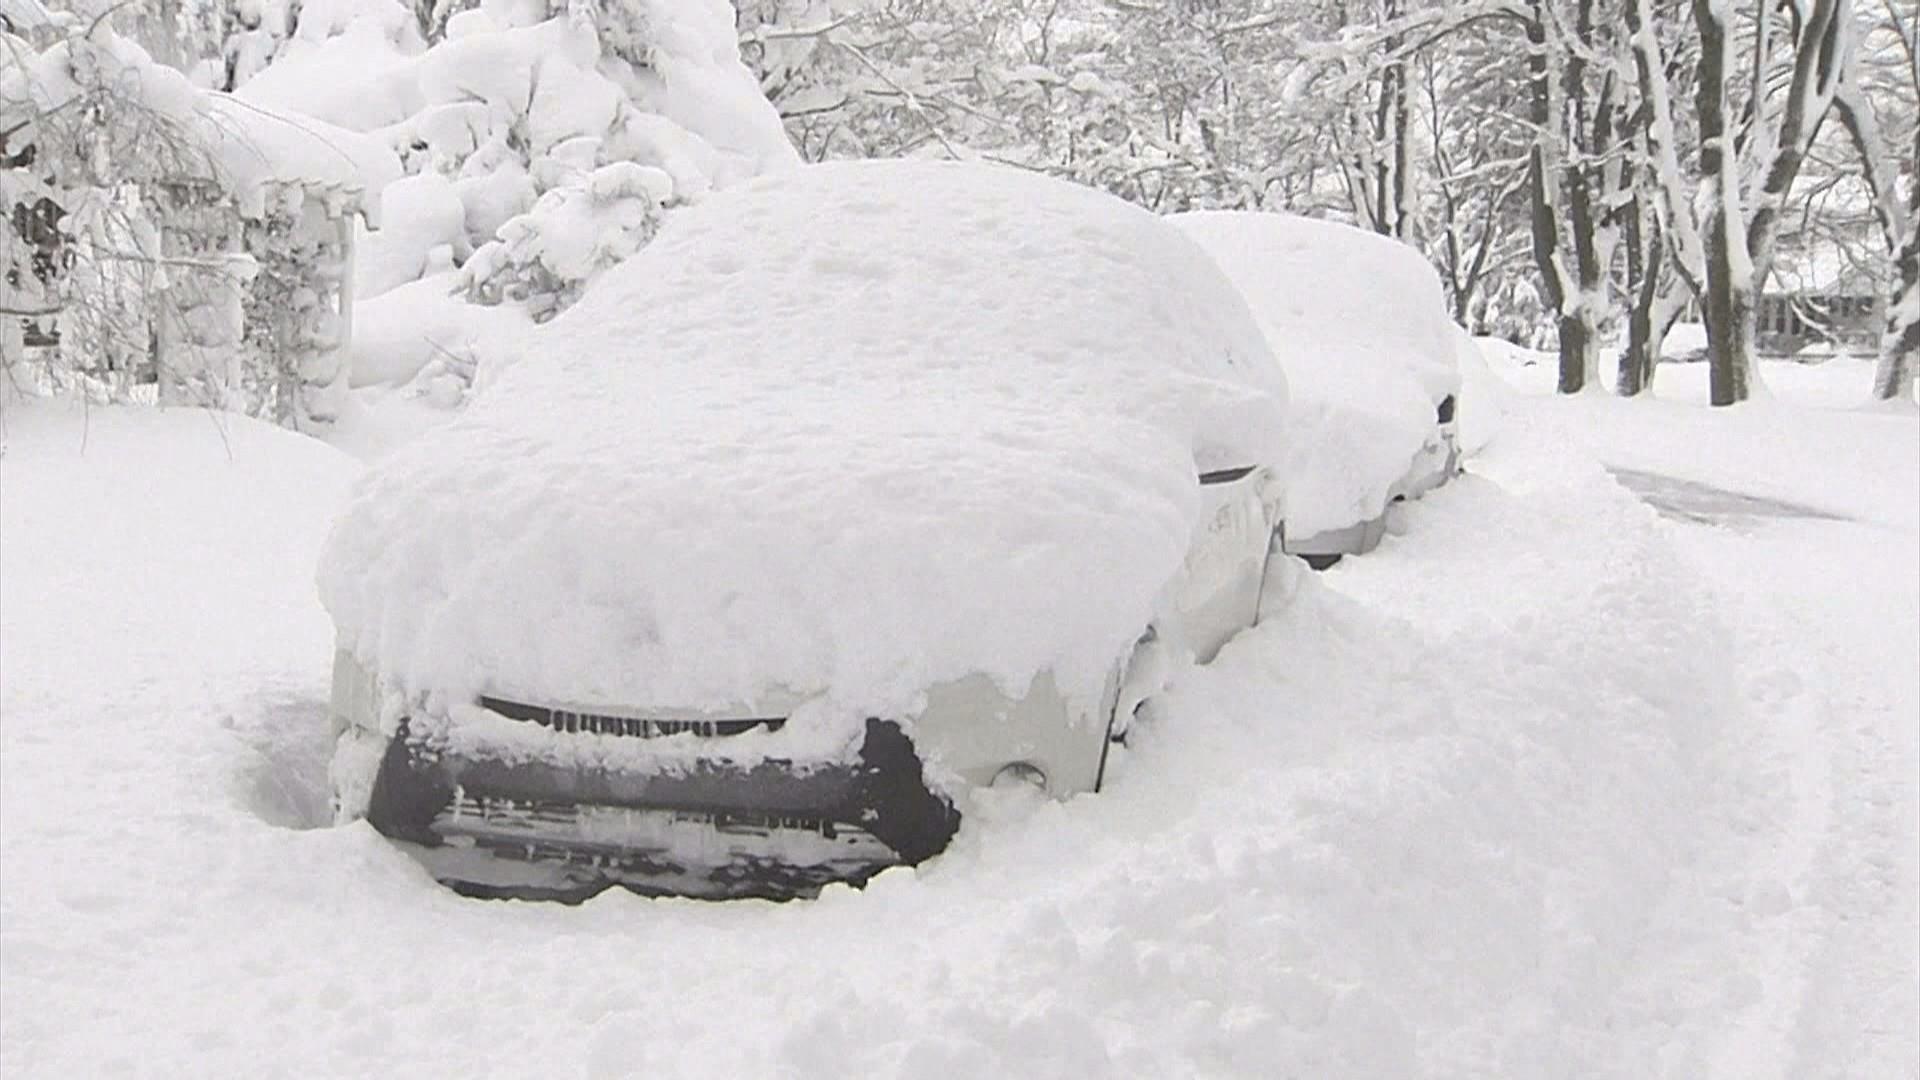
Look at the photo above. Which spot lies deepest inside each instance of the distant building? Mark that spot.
(1825, 293)
(1826, 288)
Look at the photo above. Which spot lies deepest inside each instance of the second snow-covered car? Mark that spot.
(1360, 324)
(860, 486)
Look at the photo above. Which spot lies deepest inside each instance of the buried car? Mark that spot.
(1359, 322)
(861, 485)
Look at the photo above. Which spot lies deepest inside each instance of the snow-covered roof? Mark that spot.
(853, 429)
(258, 147)
(248, 148)
(1359, 321)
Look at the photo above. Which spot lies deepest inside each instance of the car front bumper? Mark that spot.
(492, 819)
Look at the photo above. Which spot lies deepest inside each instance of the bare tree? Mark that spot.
(1666, 257)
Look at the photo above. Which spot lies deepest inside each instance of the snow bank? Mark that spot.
(854, 430)
(398, 333)
(102, 503)
(1360, 324)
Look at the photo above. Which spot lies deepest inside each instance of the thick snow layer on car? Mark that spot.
(854, 430)
(1360, 324)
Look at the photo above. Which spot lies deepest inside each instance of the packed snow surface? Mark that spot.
(853, 430)
(1550, 784)
(1360, 324)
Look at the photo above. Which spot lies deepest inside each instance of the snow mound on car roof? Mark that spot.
(1360, 324)
(848, 431)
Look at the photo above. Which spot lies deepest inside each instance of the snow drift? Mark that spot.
(856, 429)
(1360, 324)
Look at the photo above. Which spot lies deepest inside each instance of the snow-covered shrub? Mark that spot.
(564, 128)
(546, 256)
(256, 30)
(423, 231)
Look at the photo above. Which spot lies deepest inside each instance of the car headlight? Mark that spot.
(1021, 772)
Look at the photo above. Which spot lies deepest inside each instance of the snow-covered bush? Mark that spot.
(564, 128)
(547, 255)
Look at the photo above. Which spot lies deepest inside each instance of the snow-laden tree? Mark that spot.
(1473, 159)
(1144, 100)
(1879, 107)
(1765, 85)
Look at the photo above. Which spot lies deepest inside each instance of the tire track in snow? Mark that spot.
(1783, 953)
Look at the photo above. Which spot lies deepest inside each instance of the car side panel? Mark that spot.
(1218, 593)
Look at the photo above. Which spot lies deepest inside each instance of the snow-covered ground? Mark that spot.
(1554, 783)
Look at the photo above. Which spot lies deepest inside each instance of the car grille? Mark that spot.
(573, 720)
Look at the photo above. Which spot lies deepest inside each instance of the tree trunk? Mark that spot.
(1646, 328)
(1900, 229)
(1579, 351)
(1729, 314)
(1727, 303)
(1900, 343)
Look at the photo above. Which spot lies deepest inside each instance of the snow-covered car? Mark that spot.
(1359, 322)
(860, 486)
